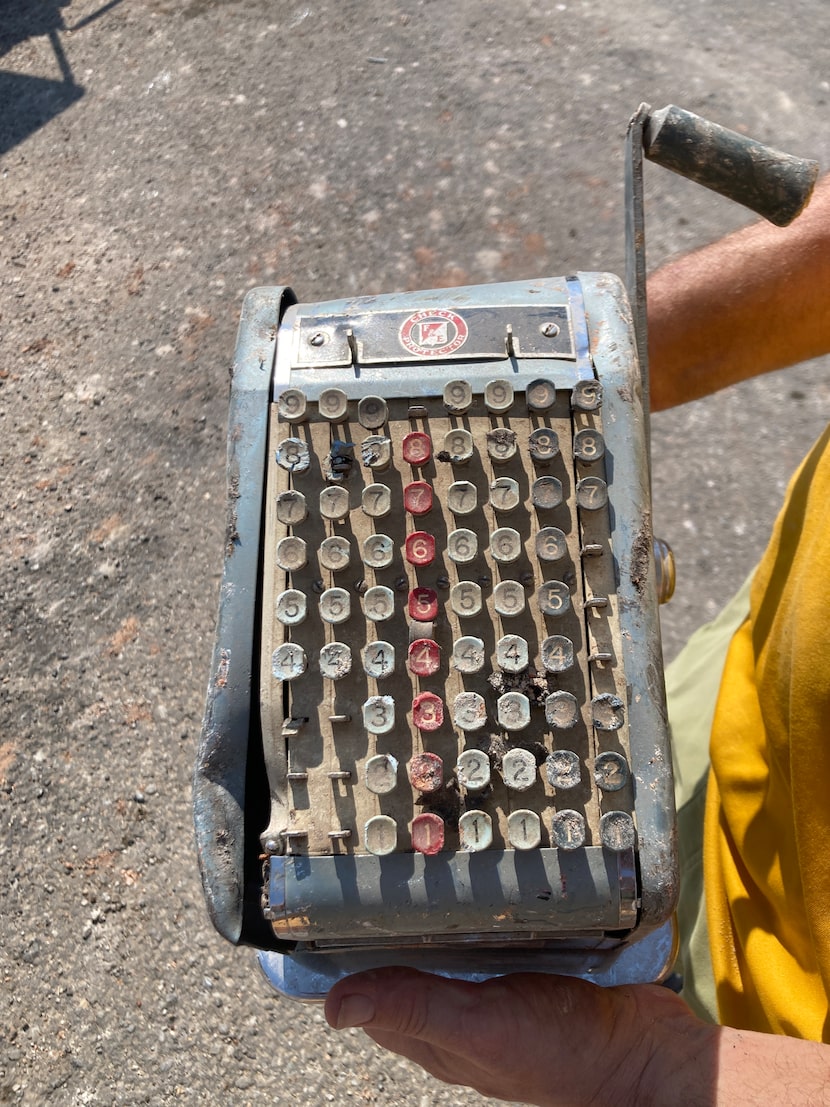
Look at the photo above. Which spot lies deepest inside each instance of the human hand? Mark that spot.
(538, 1039)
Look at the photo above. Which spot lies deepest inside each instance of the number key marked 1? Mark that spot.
(417, 497)
(428, 834)
(427, 711)
(568, 829)
(475, 831)
(416, 448)
(423, 604)
(426, 772)
(424, 657)
(380, 834)
(419, 548)
(524, 829)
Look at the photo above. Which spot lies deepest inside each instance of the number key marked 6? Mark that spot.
(419, 548)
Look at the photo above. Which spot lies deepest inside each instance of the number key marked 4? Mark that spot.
(424, 657)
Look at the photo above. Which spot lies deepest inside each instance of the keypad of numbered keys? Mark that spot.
(442, 642)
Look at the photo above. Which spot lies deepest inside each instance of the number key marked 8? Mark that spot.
(416, 448)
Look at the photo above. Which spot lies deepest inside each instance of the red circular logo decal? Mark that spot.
(433, 333)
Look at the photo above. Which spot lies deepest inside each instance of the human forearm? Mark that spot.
(755, 301)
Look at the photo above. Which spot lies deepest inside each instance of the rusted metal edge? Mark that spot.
(230, 715)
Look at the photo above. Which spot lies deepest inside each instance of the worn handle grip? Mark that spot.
(769, 182)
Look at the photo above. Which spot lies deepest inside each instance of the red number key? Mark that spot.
(427, 712)
(416, 448)
(424, 657)
(428, 834)
(420, 548)
(423, 604)
(417, 497)
(426, 772)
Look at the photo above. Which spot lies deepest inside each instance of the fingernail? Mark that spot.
(354, 1010)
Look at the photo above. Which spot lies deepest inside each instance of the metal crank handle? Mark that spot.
(769, 182)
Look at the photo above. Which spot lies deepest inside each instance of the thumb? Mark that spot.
(402, 1001)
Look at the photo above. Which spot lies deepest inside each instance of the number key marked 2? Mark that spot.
(426, 772)
(473, 770)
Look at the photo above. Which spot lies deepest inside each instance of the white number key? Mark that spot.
(335, 660)
(462, 545)
(504, 494)
(509, 598)
(518, 768)
(462, 498)
(475, 831)
(379, 659)
(469, 711)
(288, 661)
(468, 654)
(513, 710)
(473, 770)
(335, 605)
(334, 502)
(291, 607)
(524, 830)
(505, 544)
(512, 654)
(379, 714)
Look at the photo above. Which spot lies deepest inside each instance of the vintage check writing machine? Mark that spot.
(435, 731)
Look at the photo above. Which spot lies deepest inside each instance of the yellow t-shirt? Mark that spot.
(767, 829)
